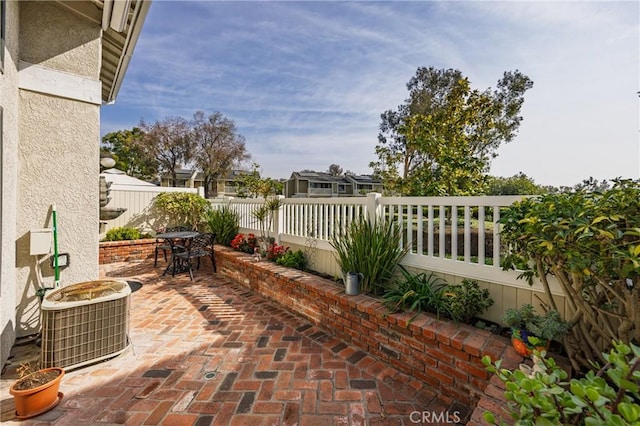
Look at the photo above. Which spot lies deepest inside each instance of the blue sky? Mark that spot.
(306, 82)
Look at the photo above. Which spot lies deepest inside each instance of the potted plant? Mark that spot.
(530, 330)
(36, 392)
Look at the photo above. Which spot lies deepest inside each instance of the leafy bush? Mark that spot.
(276, 251)
(373, 249)
(246, 244)
(224, 223)
(181, 207)
(122, 233)
(609, 396)
(546, 327)
(467, 300)
(590, 242)
(292, 259)
(418, 293)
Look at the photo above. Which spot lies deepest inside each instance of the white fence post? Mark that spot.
(278, 221)
(374, 208)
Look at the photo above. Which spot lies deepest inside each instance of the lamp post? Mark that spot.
(107, 162)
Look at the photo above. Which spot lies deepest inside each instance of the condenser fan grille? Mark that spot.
(82, 332)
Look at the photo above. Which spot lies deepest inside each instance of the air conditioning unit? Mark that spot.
(84, 323)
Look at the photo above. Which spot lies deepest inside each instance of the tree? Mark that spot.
(124, 148)
(519, 184)
(218, 146)
(590, 243)
(334, 170)
(593, 185)
(442, 139)
(251, 184)
(589, 185)
(168, 142)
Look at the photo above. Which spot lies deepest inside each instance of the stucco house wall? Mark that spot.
(51, 92)
(8, 178)
(55, 43)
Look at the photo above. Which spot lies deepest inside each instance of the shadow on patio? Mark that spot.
(211, 352)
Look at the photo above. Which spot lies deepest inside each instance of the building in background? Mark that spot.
(226, 186)
(184, 178)
(321, 184)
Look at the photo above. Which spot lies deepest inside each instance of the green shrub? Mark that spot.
(292, 259)
(181, 207)
(418, 293)
(122, 233)
(225, 223)
(372, 249)
(589, 241)
(608, 396)
(467, 301)
(547, 327)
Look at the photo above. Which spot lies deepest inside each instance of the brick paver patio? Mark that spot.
(211, 352)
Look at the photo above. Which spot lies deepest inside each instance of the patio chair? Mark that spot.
(164, 245)
(200, 246)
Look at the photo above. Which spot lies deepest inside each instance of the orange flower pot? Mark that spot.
(38, 400)
(525, 350)
(521, 347)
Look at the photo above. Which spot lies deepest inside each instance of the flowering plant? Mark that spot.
(275, 251)
(244, 243)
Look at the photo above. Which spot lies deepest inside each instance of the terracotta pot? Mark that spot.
(520, 347)
(39, 400)
(524, 349)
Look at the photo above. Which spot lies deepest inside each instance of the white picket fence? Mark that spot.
(445, 234)
(455, 237)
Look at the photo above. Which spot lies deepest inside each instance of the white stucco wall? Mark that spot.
(9, 179)
(55, 38)
(58, 150)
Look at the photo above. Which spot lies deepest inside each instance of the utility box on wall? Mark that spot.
(40, 241)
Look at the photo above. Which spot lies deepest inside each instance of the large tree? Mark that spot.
(519, 184)
(442, 139)
(334, 170)
(168, 142)
(124, 148)
(218, 146)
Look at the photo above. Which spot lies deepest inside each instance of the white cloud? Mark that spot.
(306, 82)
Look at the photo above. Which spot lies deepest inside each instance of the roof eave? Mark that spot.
(112, 79)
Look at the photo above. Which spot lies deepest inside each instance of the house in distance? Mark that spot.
(321, 184)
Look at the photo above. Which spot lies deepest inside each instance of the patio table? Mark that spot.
(177, 241)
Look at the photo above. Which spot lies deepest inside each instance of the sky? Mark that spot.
(305, 82)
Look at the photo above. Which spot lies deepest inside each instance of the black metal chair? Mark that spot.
(164, 245)
(198, 247)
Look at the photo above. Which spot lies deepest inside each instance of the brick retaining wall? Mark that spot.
(126, 251)
(441, 353)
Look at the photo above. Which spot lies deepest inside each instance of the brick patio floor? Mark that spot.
(211, 352)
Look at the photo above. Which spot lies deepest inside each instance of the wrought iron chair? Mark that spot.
(164, 245)
(200, 246)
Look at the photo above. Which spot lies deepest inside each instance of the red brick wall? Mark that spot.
(441, 353)
(125, 251)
